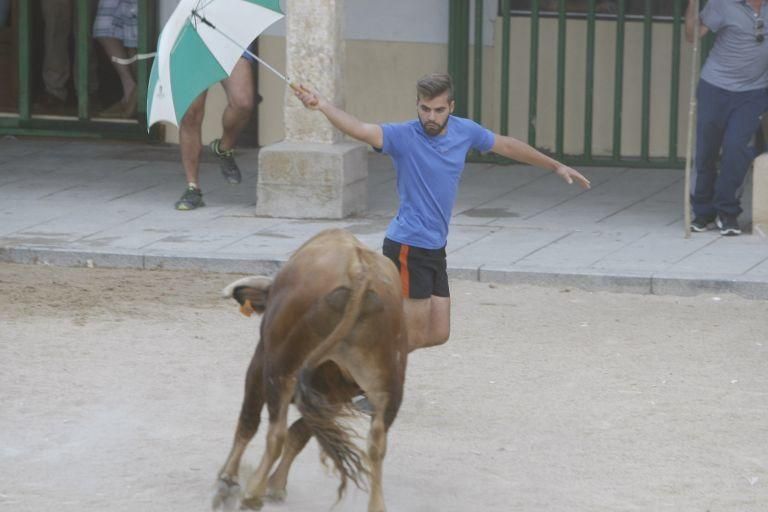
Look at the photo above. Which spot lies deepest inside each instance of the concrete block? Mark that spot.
(70, 258)
(464, 273)
(760, 192)
(227, 264)
(626, 282)
(312, 181)
(708, 283)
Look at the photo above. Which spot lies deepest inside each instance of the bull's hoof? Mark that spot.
(251, 503)
(227, 494)
(277, 495)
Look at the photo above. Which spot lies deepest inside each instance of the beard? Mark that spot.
(433, 129)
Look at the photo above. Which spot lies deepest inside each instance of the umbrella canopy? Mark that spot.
(199, 46)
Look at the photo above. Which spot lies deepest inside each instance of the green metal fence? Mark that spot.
(83, 124)
(464, 75)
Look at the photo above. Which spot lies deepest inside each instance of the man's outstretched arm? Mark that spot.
(522, 152)
(346, 123)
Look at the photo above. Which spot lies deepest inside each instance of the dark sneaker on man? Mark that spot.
(191, 199)
(701, 223)
(728, 224)
(229, 167)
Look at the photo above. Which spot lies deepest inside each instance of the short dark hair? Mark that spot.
(433, 85)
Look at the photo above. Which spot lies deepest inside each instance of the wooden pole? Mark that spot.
(691, 124)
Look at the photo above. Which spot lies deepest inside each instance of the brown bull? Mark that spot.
(332, 325)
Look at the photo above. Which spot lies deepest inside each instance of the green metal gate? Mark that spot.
(83, 124)
(468, 72)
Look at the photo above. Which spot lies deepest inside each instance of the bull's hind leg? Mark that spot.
(228, 488)
(377, 449)
(276, 434)
(298, 436)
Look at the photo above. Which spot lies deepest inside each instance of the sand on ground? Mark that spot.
(120, 390)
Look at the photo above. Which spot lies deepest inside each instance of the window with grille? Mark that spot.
(660, 9)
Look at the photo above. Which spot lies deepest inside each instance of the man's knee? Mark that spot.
(441, 335)
(240, 94)
(193, 117)
(241, 103)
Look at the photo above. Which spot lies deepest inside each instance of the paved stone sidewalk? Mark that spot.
(111, 204)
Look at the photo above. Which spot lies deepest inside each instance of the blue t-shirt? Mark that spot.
(428, 173)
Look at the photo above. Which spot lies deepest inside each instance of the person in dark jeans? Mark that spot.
(732, 97)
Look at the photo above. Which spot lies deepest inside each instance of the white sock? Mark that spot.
(193, 185)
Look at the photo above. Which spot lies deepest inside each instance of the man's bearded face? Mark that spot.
(434, 113)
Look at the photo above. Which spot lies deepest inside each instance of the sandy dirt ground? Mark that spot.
(120, 391)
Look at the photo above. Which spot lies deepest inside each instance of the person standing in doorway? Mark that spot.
(429, 155)
(116, 27)
(59, 23)
(732, 96)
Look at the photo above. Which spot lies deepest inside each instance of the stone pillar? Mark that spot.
(313, 173)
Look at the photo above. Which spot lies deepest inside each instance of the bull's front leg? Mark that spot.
(228, 487)
(276, 434)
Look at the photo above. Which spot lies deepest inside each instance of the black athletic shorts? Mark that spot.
(423, 272)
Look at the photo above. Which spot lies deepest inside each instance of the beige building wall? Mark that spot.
(380, 78)
(380, 81)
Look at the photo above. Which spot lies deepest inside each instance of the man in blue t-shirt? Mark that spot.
(428, 155)
(732, 97)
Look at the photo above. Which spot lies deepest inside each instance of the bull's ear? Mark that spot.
(252, 300)
(250, 292)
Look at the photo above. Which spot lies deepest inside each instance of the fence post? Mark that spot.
(83, 42)
(458, 53)
(533, 79)
(477, 70)
(24, 32)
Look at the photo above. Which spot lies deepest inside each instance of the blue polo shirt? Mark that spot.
(737, 61)
(428, 173)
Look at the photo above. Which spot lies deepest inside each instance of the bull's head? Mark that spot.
(250, 292)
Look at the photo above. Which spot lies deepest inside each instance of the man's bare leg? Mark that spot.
(428, 321)
(190, 139)
(114, 48)
(190, 142)
(239, 89)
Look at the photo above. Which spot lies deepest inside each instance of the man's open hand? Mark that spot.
(571, 175)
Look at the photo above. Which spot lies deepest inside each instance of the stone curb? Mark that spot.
(662, 283)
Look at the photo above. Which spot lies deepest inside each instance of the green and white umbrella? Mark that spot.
(199, 46)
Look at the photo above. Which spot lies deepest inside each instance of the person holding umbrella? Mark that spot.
(203, 43)
(428, 155)
(732, 97)
(239, 89)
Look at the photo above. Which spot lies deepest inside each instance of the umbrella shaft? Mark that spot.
(282, 76)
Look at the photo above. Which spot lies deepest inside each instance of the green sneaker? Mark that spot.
(229, 168)
(191, 199)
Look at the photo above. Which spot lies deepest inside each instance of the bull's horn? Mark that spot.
(260, 282)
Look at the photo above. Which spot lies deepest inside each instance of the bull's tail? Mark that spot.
(335, 439)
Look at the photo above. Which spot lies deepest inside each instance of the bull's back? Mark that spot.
(325, 263)
(328, 260)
